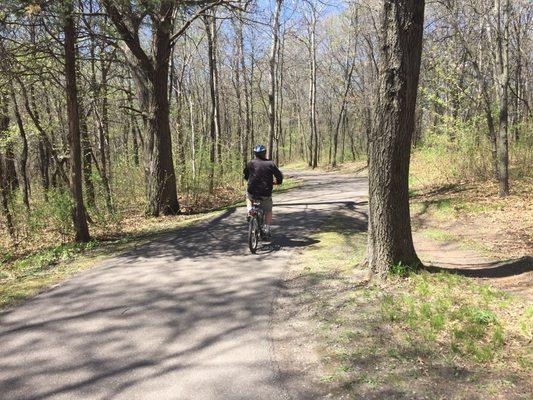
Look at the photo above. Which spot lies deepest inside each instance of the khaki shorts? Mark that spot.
(266, 202)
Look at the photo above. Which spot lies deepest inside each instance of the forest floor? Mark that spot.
(461, 329)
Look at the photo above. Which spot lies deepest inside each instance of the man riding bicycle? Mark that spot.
(260, 173)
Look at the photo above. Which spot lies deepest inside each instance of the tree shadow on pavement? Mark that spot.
(185, 316)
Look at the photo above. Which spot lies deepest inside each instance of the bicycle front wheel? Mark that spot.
(253, 235)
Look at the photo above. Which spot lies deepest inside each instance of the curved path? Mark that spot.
(186, 316)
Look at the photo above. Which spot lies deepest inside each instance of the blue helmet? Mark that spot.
(260, 149)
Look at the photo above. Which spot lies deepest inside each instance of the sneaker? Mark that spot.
(267, 233)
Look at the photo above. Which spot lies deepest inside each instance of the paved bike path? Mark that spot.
(186, 316)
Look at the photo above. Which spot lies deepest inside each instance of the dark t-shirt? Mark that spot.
(260, 176)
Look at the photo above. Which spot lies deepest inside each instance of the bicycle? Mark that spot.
(256, 217)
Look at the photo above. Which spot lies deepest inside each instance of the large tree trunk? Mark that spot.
(389, 228)
(162, 192)
(78, 215)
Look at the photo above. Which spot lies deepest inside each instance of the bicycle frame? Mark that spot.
(256, 218)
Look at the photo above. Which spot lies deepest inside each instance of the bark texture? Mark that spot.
(501, 12)
(79, 217)
(389, 232)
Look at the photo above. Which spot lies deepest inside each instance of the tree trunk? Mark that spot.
(177, 90)
(24, 154)
(78, 215)
(341, 114)
(151, 76)
(389, 227)
(242, 134)
(103, 135)
(162, 192)
(43, 142)
(502, 61)
(87, 160)
(312, 87)
(4, 184)
(4, 197)
(272, 92)
(243, 69)
(280, 99)
(210, 25)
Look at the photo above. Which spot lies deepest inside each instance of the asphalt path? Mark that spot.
(187, 316)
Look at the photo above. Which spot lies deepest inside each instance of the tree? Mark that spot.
(501, 16)
(272, 93)
(24, 155)
(313, 162)
(214, 119)
(79, 217)
(153, 71)
(389, 227)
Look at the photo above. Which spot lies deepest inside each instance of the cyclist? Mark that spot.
(260, 173)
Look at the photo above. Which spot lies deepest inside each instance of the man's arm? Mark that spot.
(277, 173)
(246, 171)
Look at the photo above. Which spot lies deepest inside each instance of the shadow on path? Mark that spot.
(497, 269)
(185, 316)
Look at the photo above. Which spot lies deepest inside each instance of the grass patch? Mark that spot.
(437, 234)
(457, 314)
(288, 184)
(433, 335)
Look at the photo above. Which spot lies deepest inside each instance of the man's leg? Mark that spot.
(267, 204)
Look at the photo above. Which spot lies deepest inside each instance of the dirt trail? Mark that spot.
(512, 275)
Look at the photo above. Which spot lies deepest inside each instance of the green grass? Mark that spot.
(440, 235)
(288, 184)
(339, 247)
(454, 311)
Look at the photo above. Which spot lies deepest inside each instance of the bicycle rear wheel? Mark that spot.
(253, 235)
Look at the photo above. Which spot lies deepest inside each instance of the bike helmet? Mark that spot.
(260, 149)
